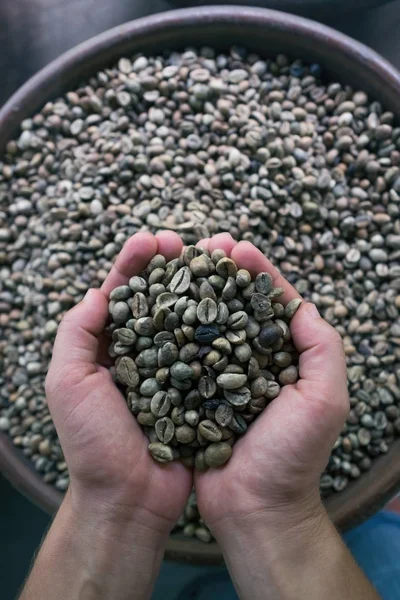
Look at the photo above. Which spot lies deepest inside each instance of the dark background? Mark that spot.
(32, 33)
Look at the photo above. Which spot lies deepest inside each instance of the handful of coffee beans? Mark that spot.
(200, 350)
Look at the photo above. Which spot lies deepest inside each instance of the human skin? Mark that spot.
(108, 538)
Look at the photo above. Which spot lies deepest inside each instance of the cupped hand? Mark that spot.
(275, 468)
(106, 451)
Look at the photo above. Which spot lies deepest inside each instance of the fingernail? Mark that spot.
(313, 311)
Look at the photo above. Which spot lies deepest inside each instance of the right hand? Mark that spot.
(275, 468)
(113, 477)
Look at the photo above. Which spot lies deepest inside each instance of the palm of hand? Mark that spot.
(105, 449)
(279, 460)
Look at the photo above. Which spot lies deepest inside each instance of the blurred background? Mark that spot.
(34, 32)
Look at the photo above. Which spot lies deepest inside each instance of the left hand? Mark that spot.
(274, 473)
(112, 475)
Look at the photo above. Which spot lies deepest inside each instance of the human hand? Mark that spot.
(112, 474)
(275, 468)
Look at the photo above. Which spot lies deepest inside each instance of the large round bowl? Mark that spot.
(266, 32)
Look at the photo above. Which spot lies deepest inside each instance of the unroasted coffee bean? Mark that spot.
(226, 268)
(145, 326)
(167, 354)
(211, 404)
(181, 281)
(207, 311)
(229, 290)
(222, 313)
(126, 336)
(147, 358)
(242, 353)
(207, 387)
(237, 336)
(200, 266)
(199, 461)
(238, 397)
(231, 381)
(139, 306)
(138, 284)
(206, 291)
(159, 318)
(192, 418)
(206, 333)
(120, 312)
(189, 352)
(237, 320)
(181, 371)
(161, 453)
(257, 405)
(282, 359)
(223, 414)
(150, 387)
(285, 329)
(237, 424)
(253, 368)
(120, 349)
(209, 430)
(243, 278)
(127, 372)
(259, 387)
(292, 307)
(217, 454)
(165, 430)
(193, 400)
(269, 335)
(260, 303)
(289, 375)
(263, 283)
(147, 419)
(178, 415)
(273, 390)
(203, 534)
(123, 292)
(223, 345)
(185, 434)
(166, 300)
(160, 404)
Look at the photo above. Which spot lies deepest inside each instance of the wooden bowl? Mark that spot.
(267, 33)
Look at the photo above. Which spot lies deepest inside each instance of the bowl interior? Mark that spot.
(267, 33)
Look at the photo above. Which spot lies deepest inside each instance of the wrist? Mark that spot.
(91, 552)
(276, 519)
(116, 513)
(277, 555)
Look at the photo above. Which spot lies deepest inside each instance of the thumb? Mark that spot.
(322, 363)
(76, 345)
(320, 347)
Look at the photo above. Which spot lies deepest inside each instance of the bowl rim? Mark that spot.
(46, 84)
(83, 52)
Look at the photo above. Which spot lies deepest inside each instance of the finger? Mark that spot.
(76, 344)
(132, 259)
(320, 346)
(203, 243)
(322, 370)
(223, 241)
(247, 256)
(169, 244)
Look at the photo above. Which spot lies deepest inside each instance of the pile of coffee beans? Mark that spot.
(200, 350)
(270, 150)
